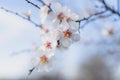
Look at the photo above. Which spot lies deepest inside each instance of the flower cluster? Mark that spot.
(59, 31)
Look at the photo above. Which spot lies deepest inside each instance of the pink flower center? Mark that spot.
(60, 16)
(48, 45)
(67, 34)
(43, 59)
(46, 30)
(68, 18)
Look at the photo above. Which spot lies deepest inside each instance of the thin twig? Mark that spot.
(89, 17)
(32, 4)
(31, 70)
(109, 8)
(17, 14)
(49, 5)
(41, 2)
(93, 19)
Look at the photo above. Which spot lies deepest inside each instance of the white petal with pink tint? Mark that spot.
(74, 16)
(75, 37)
(73, 26)
(56, 7)
(65, 42)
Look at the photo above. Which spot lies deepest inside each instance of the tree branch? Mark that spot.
(37, 5)
(17, 14)
(88, 19)
(32, 4)
(93, 19)
(109, 8)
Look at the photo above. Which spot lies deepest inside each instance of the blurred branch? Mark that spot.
(41, 2)
(31, 70)
(118, 4)
(98, 13)
(95, 18)
(87, 19)
(21, 51)
(107, 7)
(19, 15)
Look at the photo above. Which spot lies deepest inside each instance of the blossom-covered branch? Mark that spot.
(60, 28)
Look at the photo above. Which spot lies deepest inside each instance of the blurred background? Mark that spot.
(94, 57)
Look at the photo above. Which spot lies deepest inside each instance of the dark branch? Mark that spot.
(31, 70)
(96, 18)
(109, 8)
(37, 5)
(87, 19)
(32, 4)
(41, 2)
(98, 13)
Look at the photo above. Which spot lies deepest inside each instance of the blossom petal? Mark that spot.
(56, 7)
(74, 26)
(75, 37)
(66, 11)
(55, 22)
(74, 16)
(64, 25)
(65, 42)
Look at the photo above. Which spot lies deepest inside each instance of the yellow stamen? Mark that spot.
(67, 34)
(68, 18)
(60, 16)
(43, 59)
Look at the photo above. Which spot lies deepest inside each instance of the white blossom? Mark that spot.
(43, 61)
(58, 31)
(62, 13)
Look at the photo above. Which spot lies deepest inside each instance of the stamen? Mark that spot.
(43, 59)
(67, 34)
(48, 45)
(60, 16)
(68, 18)
(46, 30)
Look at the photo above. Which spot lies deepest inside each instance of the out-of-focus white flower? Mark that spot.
(27, 13)
(44, 13)
(108, 32)
(65, 42)
(75, 37)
